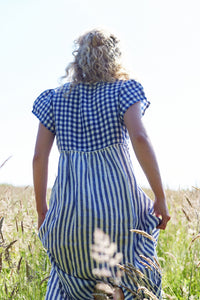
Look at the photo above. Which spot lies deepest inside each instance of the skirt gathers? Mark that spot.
(96, 189)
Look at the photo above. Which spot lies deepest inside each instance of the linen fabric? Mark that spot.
(95, 187)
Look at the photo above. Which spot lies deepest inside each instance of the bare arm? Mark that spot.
(43, 146)
(147, 159)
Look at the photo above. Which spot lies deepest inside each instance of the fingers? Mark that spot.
(163, 223)
(40, 222)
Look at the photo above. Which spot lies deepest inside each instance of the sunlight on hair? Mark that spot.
(96, 59)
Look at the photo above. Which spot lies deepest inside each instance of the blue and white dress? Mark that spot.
(95, 186)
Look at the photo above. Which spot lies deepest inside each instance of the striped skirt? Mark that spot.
(96, 190)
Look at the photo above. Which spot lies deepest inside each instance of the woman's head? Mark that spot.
(96, 59)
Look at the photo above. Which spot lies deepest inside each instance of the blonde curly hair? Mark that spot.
(96, 59)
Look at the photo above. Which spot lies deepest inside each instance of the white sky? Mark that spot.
(161, 48)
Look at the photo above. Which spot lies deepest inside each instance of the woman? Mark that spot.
(92, 117)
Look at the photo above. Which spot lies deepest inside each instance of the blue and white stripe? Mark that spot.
(95, 187)
(96, 190)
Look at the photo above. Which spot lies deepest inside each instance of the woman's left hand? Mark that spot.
(161, 210)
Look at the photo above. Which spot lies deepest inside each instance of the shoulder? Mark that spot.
(51, 94)
(131, 88)
(131, 83)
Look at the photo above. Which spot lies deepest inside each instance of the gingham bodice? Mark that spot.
(89, 117)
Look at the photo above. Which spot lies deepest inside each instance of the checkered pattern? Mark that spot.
(95, 187)
(90, 117)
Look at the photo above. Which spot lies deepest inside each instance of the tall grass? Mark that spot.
(179, 246)
(24, 266)
(23, 262)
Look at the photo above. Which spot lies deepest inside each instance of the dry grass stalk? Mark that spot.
(169, 297)
(138, 278)
(171, 255)
(157, 262)
(16, 225)
(129, 267)
(45, 279)
(19, 265)
(6, 289)
(194, 239)
(196, 188)
(30, 274)
(145, 234)
(22, 226)
(10, 245)
(1, 262)
(139, 273)
(189, 202)
(16, 253)
(1, 223)
(130, 274)
(131, 291)
(14, 292)
(146, 265)
(162, 259)
(147, 292)
(5, 162)
(186, 215)
(1, 233)
(198, 264)
(7, 254)
(151, 263)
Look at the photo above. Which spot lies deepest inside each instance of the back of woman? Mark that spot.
(90, 116)
(95, 186)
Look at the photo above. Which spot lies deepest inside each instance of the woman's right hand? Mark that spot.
(41, 217)
(161, 210)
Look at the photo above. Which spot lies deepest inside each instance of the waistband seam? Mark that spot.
(93, 151)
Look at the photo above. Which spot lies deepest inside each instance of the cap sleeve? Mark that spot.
(132, 92)
(43, 109)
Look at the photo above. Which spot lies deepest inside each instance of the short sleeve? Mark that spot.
(132, 92)
(43, 109)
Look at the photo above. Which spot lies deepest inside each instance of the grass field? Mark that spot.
(24, 266)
